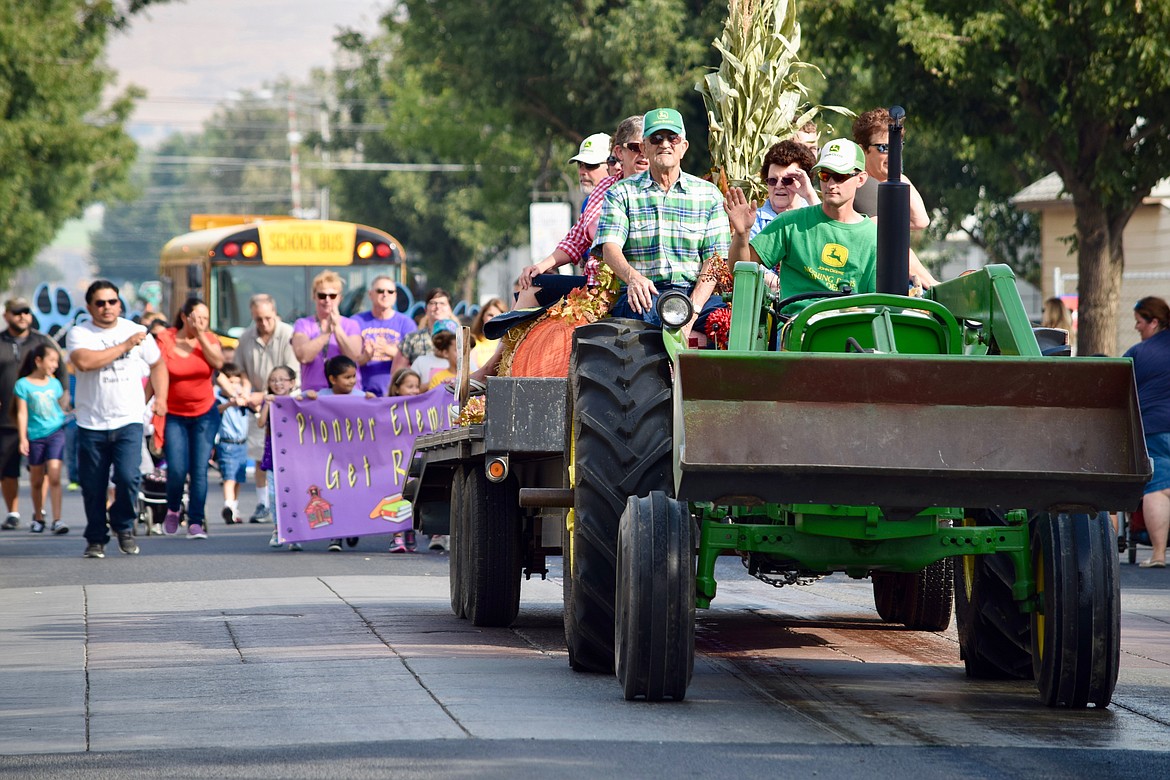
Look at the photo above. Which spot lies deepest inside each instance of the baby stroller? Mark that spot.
(152, 497)
(1133, 532)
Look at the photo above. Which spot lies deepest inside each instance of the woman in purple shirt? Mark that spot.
(316, 339)
(1151, 370)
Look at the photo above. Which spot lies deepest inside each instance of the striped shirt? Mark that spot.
(665, 236)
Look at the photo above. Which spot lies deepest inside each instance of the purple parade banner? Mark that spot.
(340, 461)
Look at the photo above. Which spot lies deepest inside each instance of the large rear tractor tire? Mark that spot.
(919, 600)
(995, 637)
(655, 641)
(620, 394)
(457, 541)
(1076, 636)
(491, 552)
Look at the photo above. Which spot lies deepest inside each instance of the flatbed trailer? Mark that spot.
(469, 482)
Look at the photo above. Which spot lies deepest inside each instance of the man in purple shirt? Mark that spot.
(318, 338)
(383, 328)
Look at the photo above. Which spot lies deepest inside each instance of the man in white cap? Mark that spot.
(814, 249)
(590, 159)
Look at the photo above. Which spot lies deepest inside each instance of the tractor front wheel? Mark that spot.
(620, 401)
(655, 640)
(457, 540)
(1076, 632)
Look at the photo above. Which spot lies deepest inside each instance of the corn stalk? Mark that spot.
(755, 98)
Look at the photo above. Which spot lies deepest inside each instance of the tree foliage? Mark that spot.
(1081, 87)
(60, 147)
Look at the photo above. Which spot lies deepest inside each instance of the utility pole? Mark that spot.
(294, 156)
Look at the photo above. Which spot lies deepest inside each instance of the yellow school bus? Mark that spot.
(226, 259)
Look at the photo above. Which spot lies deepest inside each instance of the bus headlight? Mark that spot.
(674, 308)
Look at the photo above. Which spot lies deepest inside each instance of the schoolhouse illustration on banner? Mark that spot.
(318, 511)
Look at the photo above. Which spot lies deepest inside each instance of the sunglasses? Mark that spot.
(787, 181)
(19, 312)
(326, 296)
(881, 148)
(589, 166)
(380, 291)
(100, 302)
(611, 160)
(658, 139)
(633, 146)
(840, 178)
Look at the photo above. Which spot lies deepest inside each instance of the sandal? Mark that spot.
(1152, 564)
(474, 386)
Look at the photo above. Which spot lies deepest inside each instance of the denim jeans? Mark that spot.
(97, 452)
(71, 466)
(622, 308)
(188, 445)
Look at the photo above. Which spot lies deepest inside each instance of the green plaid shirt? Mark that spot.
(665, 236)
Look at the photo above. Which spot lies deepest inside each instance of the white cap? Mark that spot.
(594, 149)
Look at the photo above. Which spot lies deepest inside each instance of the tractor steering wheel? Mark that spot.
(780, 305)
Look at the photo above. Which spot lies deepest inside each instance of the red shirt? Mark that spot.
(190, 393)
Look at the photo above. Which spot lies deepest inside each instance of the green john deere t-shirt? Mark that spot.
(813, 253)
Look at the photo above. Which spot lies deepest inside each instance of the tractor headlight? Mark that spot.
(674, 308)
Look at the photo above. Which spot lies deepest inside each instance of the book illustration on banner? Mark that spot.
(392, 509)
(318, 512)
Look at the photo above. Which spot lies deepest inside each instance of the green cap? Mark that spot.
(663, 119)
(841, 156)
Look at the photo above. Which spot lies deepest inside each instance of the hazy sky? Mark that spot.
(190, 55)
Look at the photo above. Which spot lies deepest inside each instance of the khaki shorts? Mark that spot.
(255, 439)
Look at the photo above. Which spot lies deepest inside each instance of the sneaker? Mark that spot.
(411, 543)
(229, 516)
(398, 545)
(275, 540)
(11, 523)
(438, 542)
(171, 523)
(127, 544)
(59, 528)
(37, 526)
(351, 541)
(295, 547)
(73, 487)
(95, 550)
(195, 531)
(261, 515)
(334, 545)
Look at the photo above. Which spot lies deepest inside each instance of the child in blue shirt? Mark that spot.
(40, 420)
(232, 449)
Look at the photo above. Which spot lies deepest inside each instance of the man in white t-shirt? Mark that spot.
(112, 358)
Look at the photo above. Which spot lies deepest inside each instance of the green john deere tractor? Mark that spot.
(926, 443)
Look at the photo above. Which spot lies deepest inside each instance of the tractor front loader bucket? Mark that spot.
(907, 432)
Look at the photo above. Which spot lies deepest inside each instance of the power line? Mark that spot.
(246, 162)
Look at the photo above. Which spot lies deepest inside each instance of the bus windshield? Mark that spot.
(232, 287)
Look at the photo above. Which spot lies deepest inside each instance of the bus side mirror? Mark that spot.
(195, 277)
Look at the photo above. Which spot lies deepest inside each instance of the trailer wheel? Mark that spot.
(995, 637)
(620, 393)
(457, 542)
(918, 600)
(490, 555)
(890, 595)
(1076, 634)
(655, 639)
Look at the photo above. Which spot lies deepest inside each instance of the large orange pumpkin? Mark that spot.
(545, 349)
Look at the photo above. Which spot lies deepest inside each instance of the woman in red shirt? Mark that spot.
(192, 353)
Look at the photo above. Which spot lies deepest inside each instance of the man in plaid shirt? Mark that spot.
(658, 228)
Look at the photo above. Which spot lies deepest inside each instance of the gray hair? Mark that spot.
(630, 129)
(261, 298)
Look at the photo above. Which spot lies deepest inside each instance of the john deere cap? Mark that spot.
(841, 156)
(663, 119)
(594, 149)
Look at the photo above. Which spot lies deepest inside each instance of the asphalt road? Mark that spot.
(225, 658)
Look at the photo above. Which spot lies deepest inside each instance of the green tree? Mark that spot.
(1082, 87)
(60, 147)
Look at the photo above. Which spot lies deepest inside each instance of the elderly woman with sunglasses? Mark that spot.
(785, 171)
(326, 334)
